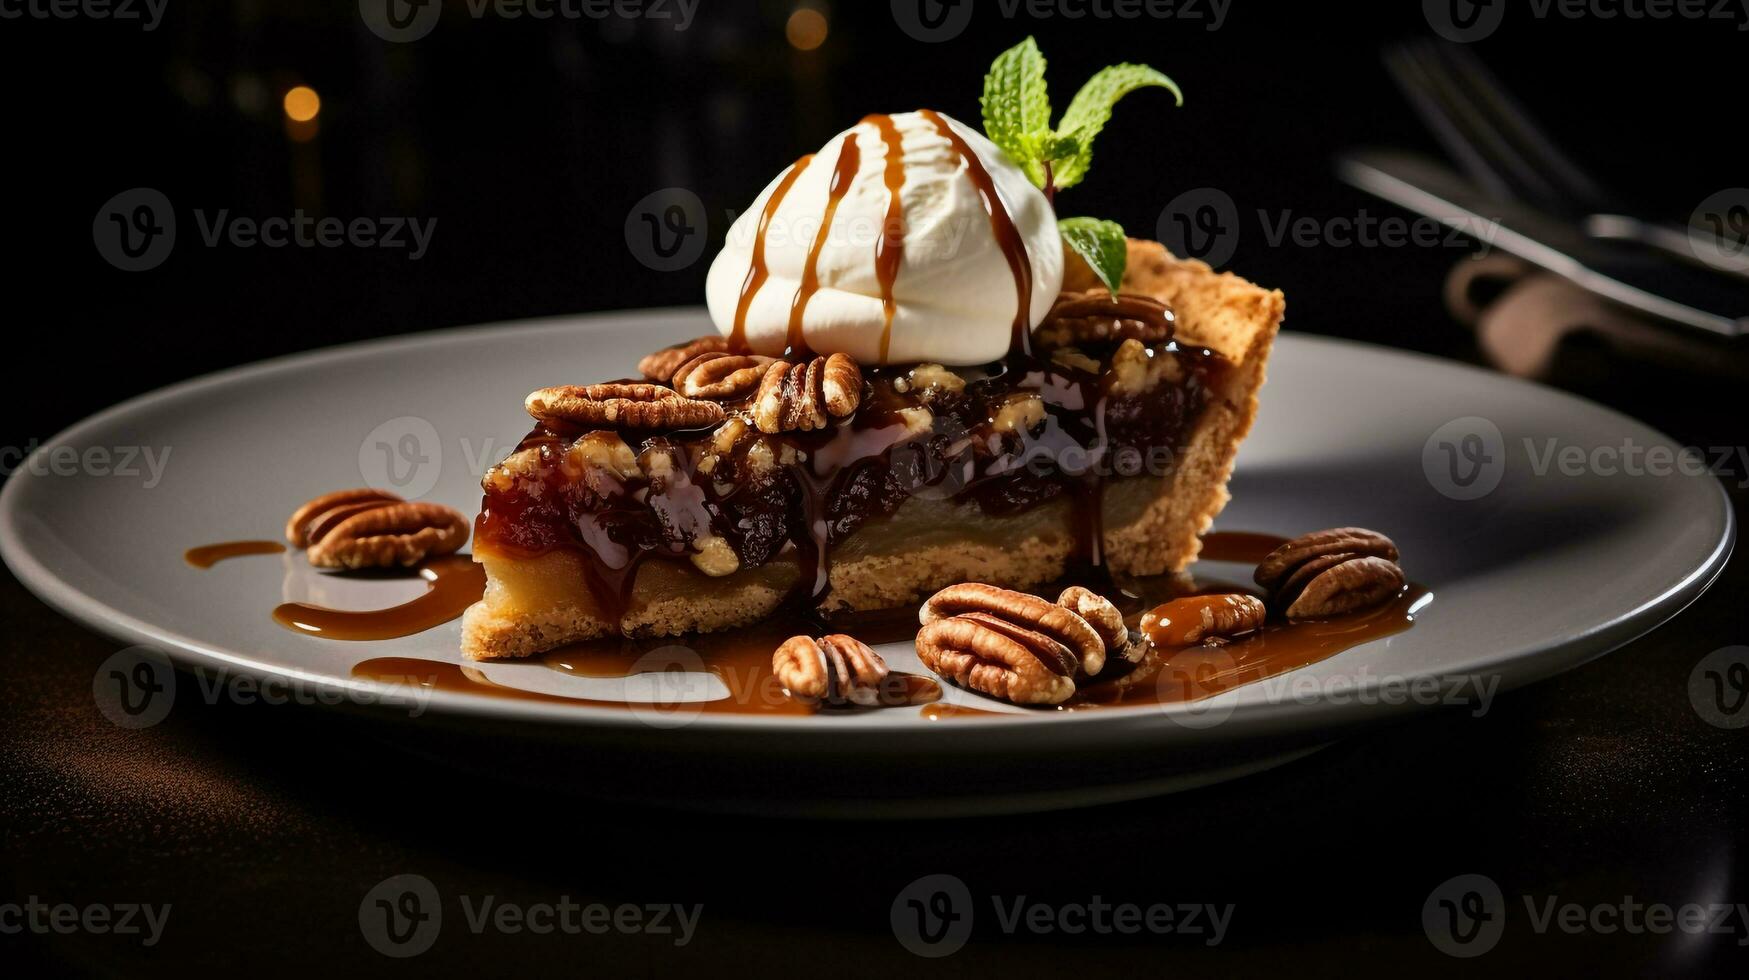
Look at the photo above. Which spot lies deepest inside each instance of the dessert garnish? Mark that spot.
(368, 528)
(840, 671)
(921, 377)
(1331, 572)
(1213, 618)
(1017, 118)
(1015, 646)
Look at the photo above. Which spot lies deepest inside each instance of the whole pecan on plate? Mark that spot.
(1196, 619)
(1006, 644)
(1105, 619)
(367, 528)
(837, 671)
(800, 397)
(629, 405)
(1332, 572)
(661, 365)
(721, 375)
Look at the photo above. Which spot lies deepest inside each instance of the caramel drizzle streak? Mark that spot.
(849, 161)
(757, 273)
(1007, 236)
(890, 250)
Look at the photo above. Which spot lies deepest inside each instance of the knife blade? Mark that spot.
(1627, 274)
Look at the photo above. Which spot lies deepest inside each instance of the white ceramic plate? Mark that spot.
(1557, 563)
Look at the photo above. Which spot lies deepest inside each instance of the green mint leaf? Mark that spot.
(1091, 109)
(1017, 106)
(1054, 147)
(1102, 244)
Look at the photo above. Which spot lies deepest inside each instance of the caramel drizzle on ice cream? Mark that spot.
(757, 273)
(1007, 235)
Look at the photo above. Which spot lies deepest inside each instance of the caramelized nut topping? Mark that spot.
(1202, 618)
(1007, 644)
(633, 406)
(1105, 619)
(835, 671)
(391, 534)
(806, 396)
(721, 375)
(1328, 573)
(1095, 316)
(1354, 583)
(297, 529)
(661, 365)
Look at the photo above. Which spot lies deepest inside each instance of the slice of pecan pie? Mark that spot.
(729, 481)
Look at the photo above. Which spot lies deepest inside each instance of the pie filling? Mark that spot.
(1034, 441)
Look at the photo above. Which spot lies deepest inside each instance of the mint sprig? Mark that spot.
(1017, 118)
(1017, 113)
(1101, 244)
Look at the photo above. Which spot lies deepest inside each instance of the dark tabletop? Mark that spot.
(265, 829)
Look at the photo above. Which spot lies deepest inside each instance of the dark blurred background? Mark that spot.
(529, 141)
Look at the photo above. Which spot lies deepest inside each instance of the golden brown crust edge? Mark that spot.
(1220, 311)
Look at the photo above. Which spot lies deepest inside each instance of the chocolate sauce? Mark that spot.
(208, 555)
(890, 250)
(1002, 225)
(843, 175)
(456, 581)
(757, 273)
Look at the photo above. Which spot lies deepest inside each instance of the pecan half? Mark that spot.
(1105, 619)
(1009, 645)
(717, 374)
(325, 508)
(840, 671)
(1329, 573)
(632, 406)
(1274, 569)
(397, 533)
(800, 397)
(1201, 618)
(1096, 316)
(1356, 582)
(661, 365)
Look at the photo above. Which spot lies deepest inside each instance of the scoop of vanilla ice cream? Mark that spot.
(955, 292)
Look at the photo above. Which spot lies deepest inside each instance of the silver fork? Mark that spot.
(1494, 140)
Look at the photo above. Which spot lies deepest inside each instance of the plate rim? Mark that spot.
(1539, 660)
